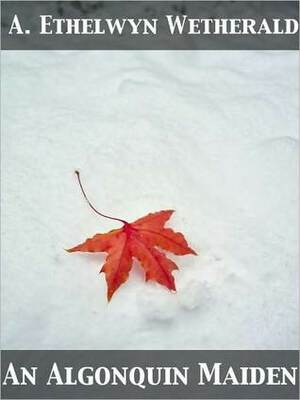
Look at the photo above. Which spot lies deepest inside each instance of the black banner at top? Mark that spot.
(144, 25)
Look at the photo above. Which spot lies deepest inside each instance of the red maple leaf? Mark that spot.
(138, 239)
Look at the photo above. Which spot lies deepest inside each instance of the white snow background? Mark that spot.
(212, 135)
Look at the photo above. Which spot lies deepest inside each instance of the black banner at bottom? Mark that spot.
(147, 374)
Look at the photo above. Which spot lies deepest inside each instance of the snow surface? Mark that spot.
(213, 135)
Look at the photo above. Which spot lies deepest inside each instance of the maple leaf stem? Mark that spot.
(91, 205)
